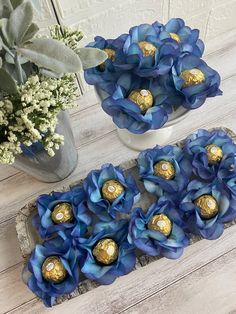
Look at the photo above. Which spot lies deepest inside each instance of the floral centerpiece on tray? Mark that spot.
(153, 74)
(36, 80)
(96, 229)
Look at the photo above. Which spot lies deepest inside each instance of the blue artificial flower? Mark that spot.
(187, 38)
(154, 242)
(105, 76)
(101, 206)
(207, 85)
(158, 57)
(46, 290)
(196, 149)
(76, 198)
(227, 174)
(209, 228)
(125, 262)
(157, 184)
(126, 114)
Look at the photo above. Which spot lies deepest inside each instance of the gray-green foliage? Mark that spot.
(21, 54)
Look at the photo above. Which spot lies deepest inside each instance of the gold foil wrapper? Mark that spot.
(164, 169)
(111, 54)
(214, 153)
(192, 77)
(111, 190)
(62, 213)
(53, 269)
(160, 223)
(175, 37)
(208, 206)
(148, 49)
(143, 98)
(106, 251)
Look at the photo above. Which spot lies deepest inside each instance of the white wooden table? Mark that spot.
(202, 281)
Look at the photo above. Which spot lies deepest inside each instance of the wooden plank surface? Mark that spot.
(191, 294)
(97, 143)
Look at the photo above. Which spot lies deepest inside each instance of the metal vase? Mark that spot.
(36, 162)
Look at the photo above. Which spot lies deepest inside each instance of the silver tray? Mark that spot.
(28, 236)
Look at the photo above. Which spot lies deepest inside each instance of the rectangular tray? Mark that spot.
(28, 236)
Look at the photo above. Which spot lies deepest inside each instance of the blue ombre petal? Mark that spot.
(43, 289)
(157, 185)
(106, 274)
(153, 242)
(207, 228)
(101, 207)
(45, 204)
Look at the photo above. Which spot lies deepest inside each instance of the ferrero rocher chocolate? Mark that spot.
(164, 169)
(160, 223)
(148, 49)
(208, 206)
(53, 269)
(214, 153)
(143, 98)
(62, 213)
(106, 251)
(111, 190)
(111, 55)
(175, 37)
(192, 77)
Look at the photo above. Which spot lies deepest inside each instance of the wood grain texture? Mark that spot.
(136, 286)
(210, 289)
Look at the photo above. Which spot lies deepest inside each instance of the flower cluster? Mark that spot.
(95, 228)
(151, 71)
(69, 36)
(31, 116)
(84, 231)
(199, 178)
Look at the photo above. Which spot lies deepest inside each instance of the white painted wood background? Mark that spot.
(204, 279)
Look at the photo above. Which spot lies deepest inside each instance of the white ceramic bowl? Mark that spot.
(150, 138)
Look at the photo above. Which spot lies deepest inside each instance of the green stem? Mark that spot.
(7, 49)
(19, 69)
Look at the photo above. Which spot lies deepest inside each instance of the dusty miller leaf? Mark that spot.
(52, 55)
(19, 22)
(31, 31)
(11, 60)
(5, 8)
(16, 3)
(50, 73)
(5, 36)
(91, 57)
(7, 83)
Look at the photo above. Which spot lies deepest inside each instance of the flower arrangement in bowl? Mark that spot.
(118, 217)
(37, 85)
(153, 76)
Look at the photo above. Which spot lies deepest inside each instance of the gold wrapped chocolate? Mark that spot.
(160, 223)
(106, 251)
(164, 169)
(208, 206)
(53, 269)
(214, 153)
(111, 54)
(175, 37)
(62, 213)
(111, 190)
(148, 49)
(192, 77)
(143, 98)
